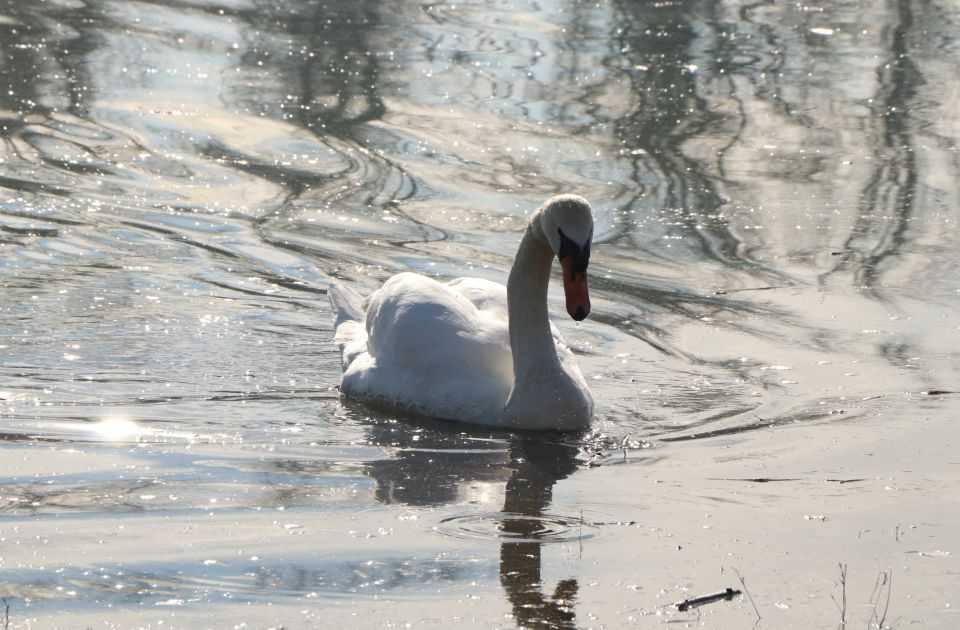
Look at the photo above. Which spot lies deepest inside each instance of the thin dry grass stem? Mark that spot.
(886, 605)
(843, 595)
(884, 580)
(747, 591)
(843, 582)
(580, 534)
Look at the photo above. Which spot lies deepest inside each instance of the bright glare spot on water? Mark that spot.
(116, 429)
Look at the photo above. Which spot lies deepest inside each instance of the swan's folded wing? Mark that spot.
(421, 324)
(429, 351)
(484, 294)
(490, 298)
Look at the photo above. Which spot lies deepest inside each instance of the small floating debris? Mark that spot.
(694, 602)
(728, 291)
(938, 392)
(758, 479)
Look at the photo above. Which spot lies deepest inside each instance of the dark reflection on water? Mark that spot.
(655, 43)
(888, 197)
(432, 466)
(537, 467)
(775, 196)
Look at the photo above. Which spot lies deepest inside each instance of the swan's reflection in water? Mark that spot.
(427, 471)
(536, 467)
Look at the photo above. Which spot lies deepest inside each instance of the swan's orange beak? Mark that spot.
(575, 288)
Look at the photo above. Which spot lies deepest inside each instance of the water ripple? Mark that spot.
(518, 528)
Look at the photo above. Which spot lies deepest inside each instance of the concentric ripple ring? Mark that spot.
(508, 527)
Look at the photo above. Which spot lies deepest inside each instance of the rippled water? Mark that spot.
(774, 344)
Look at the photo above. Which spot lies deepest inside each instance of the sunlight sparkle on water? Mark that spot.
(117, 429)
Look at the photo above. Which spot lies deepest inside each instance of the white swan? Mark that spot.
(470, 349)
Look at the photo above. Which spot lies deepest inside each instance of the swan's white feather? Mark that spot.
(429, 348)
(426, 348)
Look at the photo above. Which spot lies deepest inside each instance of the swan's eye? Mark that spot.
(579, 256)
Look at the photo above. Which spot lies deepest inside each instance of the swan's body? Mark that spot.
(474, 350)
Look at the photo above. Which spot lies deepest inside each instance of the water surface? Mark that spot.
(774, 344)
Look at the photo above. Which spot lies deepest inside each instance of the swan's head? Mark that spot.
(567, 222)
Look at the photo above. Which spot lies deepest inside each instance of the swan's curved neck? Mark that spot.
(531, 341)
(546, 394)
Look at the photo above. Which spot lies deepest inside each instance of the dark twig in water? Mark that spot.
(694, 602)
(938, 392)
(843, 587)
(6, 615)
(749, 596)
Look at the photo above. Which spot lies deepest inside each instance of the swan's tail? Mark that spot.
(349, 331)
(347, 304)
